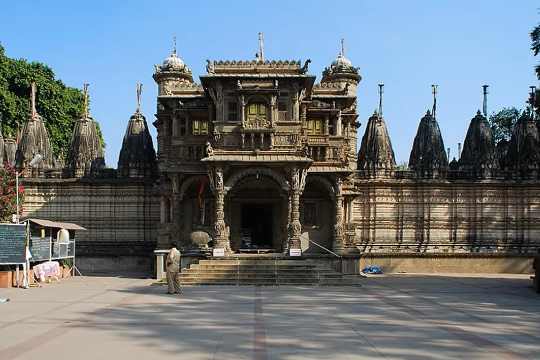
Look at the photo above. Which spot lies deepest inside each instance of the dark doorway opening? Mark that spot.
(257, 226)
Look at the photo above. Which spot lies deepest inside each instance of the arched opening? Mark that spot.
(317, 215)
(197, 207)
(255, 210)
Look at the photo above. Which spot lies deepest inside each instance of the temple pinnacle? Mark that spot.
(434, 91)
(33, 100)
(260, 54)
(139, 92)
(85, 95)
(484, 104)
(381, 91)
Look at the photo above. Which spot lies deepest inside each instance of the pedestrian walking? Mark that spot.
(173, 269)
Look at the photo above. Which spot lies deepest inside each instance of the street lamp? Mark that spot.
(33, 163)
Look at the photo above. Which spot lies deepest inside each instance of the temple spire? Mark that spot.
(342, 53)
(434, 91)
(174, 45)
(33, 100)
(260, 54)
(85, 94)
(139, 92)
(484, 104)
(381, 91)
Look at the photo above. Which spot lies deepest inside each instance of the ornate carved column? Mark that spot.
(295, 104)
(338, 124)
(338, 245)
(242, 102)
(274, 110)
(220, 234)
(298, 182)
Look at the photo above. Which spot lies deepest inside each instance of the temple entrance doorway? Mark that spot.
(256, 230)
(256, 211)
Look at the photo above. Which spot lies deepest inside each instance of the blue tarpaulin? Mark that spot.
(372, 269)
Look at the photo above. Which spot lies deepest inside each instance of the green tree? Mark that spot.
(58, 104)
(8, 193)
(502, 123)
(535, 46)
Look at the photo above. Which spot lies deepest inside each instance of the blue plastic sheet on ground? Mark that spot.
(372, 269)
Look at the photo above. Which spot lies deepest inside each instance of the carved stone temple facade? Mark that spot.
(258, 155)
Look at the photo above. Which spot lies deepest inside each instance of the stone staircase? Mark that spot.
(261, 271)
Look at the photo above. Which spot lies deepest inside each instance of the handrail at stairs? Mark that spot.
(330, 252)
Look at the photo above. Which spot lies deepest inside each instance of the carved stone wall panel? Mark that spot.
(449, 218)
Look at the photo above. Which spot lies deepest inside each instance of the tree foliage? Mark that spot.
(535, 46)
(502, 123)
(58, 104)
(8, 193)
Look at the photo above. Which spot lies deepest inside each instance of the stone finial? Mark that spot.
(484, 102)
(376, 153)
(137, 156)
(428, 155)
(434, 92)
(381, 91)
(33, 110)
(85, 156)
(260, 54)
(139, 93)
(478, 156)
(85, 95)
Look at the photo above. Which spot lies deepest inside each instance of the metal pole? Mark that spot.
(17, 191)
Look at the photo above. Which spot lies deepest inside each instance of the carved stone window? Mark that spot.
(232, 114)
(315, 127)
(257, 115)
(199, 127)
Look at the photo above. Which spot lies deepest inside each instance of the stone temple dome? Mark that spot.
(341, 70)
(173, 62)
(341, 62)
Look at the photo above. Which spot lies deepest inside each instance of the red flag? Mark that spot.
(200, 193)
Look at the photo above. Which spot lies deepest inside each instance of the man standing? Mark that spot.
(173, 268)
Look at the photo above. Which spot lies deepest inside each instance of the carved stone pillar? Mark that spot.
(273, 110)
(338, 245)
(220, 234)
(242, 102)
(296, 106)
(297, 181)
(338, 124)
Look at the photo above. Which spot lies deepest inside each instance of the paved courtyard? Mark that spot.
(390, 317)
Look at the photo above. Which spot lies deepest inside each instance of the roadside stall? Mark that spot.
(48, 245)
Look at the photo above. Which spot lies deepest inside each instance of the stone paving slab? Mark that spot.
(388, 317)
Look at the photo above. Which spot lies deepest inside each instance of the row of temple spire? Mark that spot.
(480, 158)
(85, 155)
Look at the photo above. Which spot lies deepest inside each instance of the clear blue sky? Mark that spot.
(408, 45)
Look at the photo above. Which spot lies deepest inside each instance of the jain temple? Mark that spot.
(260, 157)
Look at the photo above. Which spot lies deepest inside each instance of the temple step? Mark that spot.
(263, 272)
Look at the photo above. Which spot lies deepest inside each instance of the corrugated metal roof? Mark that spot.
(55, 224)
